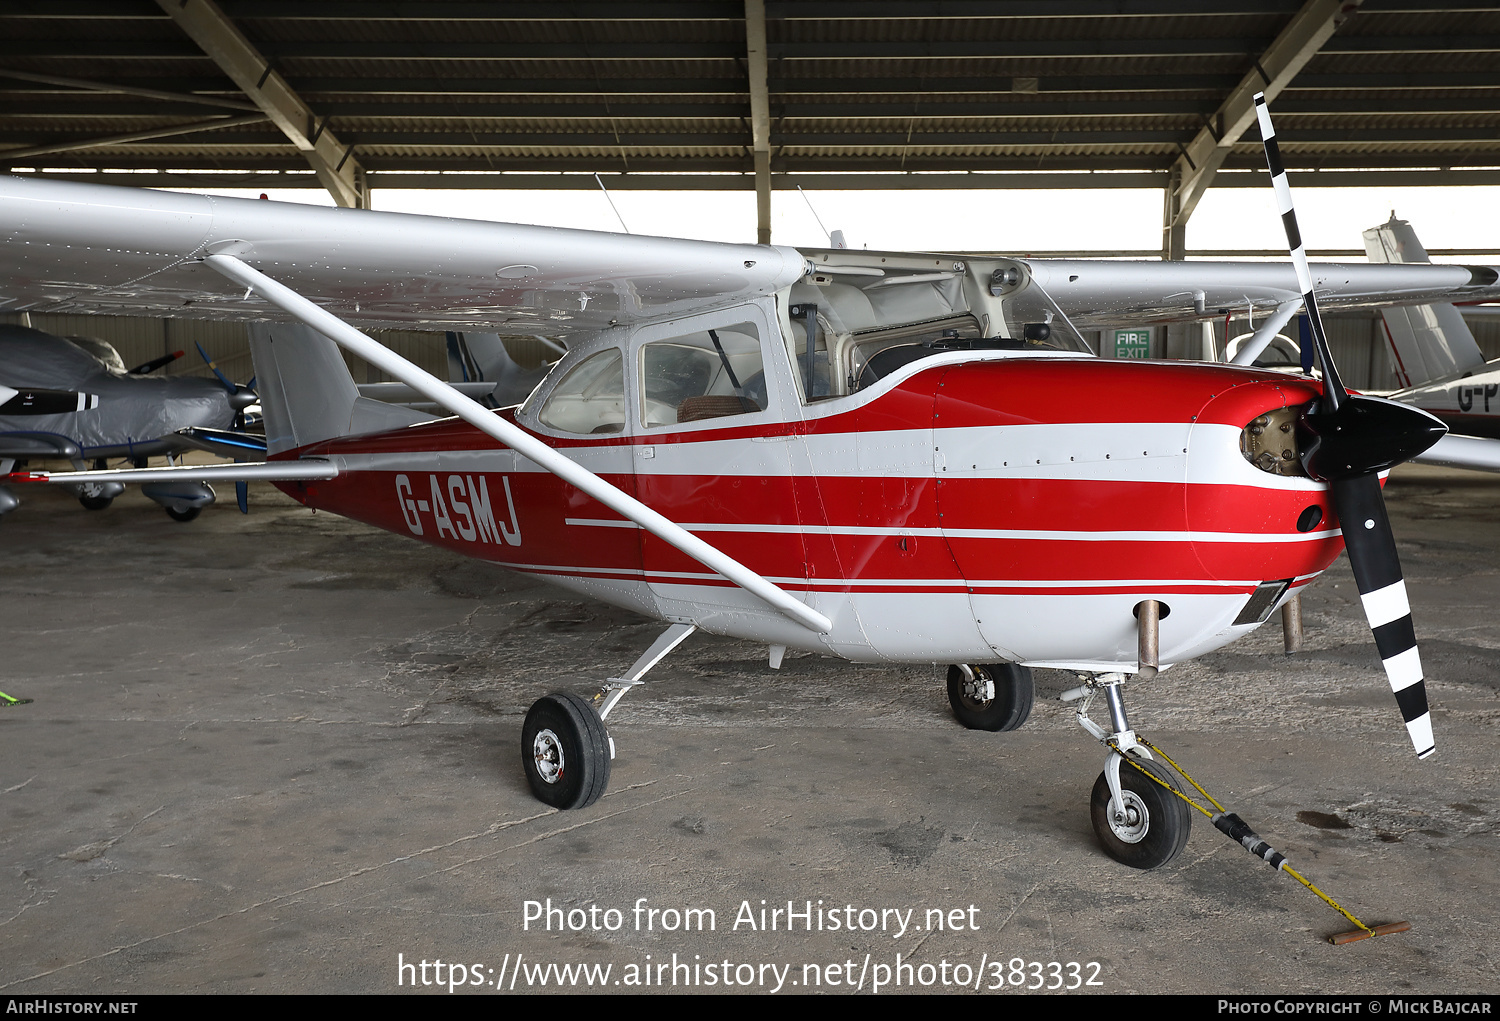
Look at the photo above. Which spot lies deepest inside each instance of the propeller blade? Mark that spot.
(242, 497)
(1349, 441)
(214, 368)
(155, 363)
(1377, 575)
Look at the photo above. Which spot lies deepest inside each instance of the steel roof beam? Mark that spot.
(498, 113)
(126, 90)
(1194, 169)
(783, 86)
(74, 145)
(237, 57)
(703, 50)
(722, 10)
(850, 180)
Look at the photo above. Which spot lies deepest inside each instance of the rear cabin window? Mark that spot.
(716, 373)
(590, 398)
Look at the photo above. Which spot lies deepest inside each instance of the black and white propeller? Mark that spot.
(1347, 440)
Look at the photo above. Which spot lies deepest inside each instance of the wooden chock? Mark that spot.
(1359, 934)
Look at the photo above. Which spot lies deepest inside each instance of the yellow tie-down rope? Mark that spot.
(1234, 827)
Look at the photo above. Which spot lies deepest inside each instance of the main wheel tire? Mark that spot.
(1155, 826)
(1014, 693)
(565, 751)
(95, 502)
(186, 514)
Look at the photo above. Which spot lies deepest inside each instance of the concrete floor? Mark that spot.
(279, 753)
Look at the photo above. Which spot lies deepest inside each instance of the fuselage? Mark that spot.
(967, 508)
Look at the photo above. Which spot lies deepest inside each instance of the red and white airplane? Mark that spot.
(879, 457)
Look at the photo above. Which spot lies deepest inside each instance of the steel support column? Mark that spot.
(760, 114)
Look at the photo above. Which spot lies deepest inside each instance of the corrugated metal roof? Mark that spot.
(660, 86)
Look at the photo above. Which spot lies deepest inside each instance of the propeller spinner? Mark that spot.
(1348, 439)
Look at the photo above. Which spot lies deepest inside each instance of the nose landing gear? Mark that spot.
(1139, 820)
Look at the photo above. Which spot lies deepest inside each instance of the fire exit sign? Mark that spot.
(1132, 343)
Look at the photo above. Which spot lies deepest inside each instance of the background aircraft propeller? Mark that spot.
(155, 363)
(240, 398)
(1347, 440)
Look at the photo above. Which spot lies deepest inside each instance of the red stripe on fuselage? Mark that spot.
(971, 395)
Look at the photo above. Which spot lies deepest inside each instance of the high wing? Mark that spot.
(1102, 292)
(96, 249)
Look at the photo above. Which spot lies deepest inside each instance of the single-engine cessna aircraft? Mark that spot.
(879, 457)
(73, 399)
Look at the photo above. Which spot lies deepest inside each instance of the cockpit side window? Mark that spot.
(590, 398)
(716, 373)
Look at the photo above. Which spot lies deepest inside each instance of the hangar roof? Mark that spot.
(948, 93)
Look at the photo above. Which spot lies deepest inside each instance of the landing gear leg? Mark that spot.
(565, 749)
(1139, 822)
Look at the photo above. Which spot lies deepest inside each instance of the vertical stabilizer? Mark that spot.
(306, 392)
(1427, 341)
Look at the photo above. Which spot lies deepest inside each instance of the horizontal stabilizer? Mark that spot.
(29, 445)
(400, 393)
(262, 471)
(224, 442)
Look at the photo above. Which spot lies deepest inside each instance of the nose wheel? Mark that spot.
(1137, 817)
(1148, 826)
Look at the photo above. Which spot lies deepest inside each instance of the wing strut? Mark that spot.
(1267, 332)
(517, 439)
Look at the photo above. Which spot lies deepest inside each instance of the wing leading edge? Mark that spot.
(86, 248)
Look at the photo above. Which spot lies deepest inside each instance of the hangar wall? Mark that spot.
(1358, 341)
(140, 339)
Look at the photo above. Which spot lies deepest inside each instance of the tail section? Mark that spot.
(307, 394)
(482, 357)
(1428, 341)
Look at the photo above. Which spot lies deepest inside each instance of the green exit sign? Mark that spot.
(1132, 343)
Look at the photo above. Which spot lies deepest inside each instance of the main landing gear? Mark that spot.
(566, 751)
(993, 697)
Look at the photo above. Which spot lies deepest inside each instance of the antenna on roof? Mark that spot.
(611, 203)
(835, 237)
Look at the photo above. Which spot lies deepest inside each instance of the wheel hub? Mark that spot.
(549, 756)
(1131, 821)
(979, 689)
